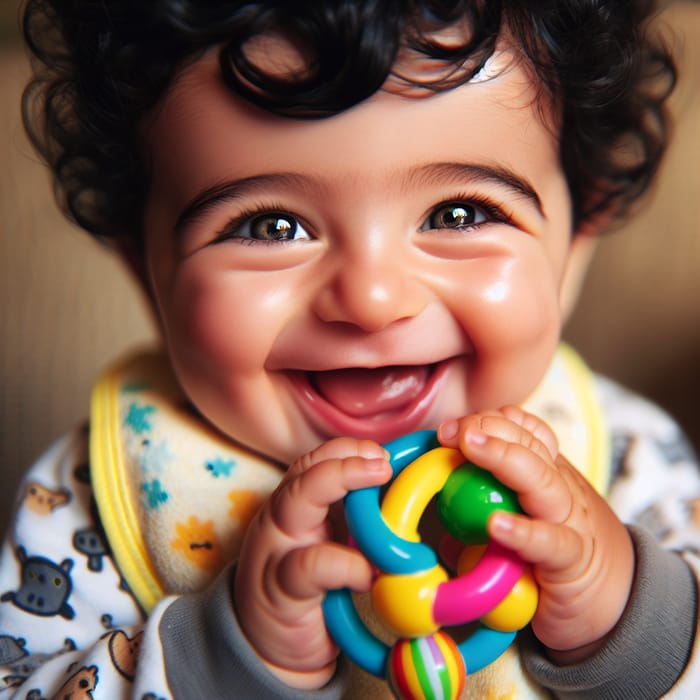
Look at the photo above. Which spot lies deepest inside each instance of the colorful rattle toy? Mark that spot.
(413, 595)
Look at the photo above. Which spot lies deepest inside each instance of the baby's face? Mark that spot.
(369, 274)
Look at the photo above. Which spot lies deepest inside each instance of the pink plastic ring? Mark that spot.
(479, 590)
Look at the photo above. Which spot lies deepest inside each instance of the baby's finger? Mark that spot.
(338, 448)
(462, 433)
(542, 490)
(300, 504)
(553, 548)
(534, 425)
(308, 572)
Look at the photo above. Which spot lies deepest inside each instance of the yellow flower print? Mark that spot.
(199, 543)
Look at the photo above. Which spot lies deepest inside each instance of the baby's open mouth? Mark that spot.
(371, 392)
(375, 403)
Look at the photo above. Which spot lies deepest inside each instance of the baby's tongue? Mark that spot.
(367, 392)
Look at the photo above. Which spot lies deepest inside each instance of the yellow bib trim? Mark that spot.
(114, 492)
(598, 464)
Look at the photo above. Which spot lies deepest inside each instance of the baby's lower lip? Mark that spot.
(402, 418)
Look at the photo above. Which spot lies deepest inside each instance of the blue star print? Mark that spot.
(220, 467)
(138, 418)
(155, 496)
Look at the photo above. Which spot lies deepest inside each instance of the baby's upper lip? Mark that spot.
(312, 347)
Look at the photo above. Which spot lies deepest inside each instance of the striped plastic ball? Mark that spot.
(426, 668)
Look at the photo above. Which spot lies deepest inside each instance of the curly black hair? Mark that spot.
(99, 67)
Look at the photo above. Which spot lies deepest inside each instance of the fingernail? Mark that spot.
(375, 465)
(501, 522)
(370, 450)
(448, 429)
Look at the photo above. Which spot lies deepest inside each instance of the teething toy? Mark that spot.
(413, 595)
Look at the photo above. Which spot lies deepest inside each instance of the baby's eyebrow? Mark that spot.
(228, 191)
(456, 172)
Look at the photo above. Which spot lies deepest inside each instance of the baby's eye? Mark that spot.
(270, 226)
(455, 215)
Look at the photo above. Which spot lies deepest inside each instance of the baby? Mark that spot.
(354, 220)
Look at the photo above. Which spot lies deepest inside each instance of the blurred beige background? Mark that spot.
(67, 307)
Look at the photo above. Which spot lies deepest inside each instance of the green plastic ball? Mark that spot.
(467, 500)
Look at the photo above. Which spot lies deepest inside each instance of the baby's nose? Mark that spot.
(370, 291)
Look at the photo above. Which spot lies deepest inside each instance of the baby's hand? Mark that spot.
(288, 561)
(581, 553)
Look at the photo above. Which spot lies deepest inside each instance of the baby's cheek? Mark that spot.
(213, 321)
(514, 335)
(517, 312)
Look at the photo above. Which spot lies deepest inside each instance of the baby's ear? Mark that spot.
(583, 246)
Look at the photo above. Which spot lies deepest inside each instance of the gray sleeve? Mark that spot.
(648, 650)
(208, 656)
